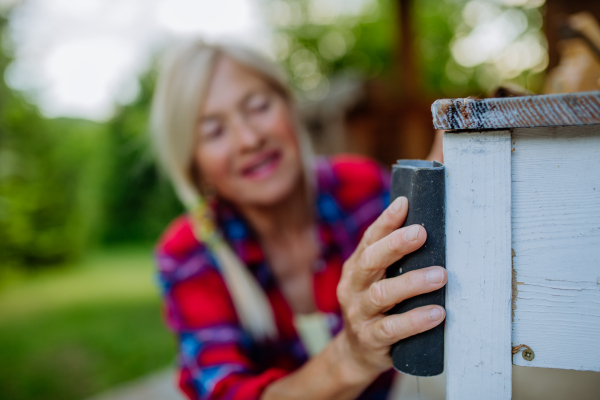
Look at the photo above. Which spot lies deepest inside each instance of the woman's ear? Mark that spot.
(206, 189)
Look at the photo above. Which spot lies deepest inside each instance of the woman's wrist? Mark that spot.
(334, 374)
(347, 367)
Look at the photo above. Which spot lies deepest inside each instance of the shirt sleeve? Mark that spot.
(213, 348)
(363, 190)
(360, 180)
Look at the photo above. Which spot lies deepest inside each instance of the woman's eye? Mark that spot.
(259, 104)
(211, 131)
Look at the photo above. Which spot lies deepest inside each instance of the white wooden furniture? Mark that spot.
(522, 238)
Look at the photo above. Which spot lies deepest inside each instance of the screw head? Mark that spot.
(528, 355)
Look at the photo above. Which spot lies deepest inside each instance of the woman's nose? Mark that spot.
(248, 136)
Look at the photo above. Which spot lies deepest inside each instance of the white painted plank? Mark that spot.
(556, 239)
(478, 260)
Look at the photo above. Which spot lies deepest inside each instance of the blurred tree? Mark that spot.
(140, 202)
(50, 173)
(433, 30)
(67, 184)
(470, 47)
(461, 47)
(317, 39)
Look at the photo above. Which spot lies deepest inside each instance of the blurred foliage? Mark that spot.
(50, 178)
(66, 184)
(433, 30)
(49, 188)
(139, 200)
(470, 47)
(317, 39)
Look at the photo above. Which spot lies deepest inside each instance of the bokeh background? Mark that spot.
(81, 199)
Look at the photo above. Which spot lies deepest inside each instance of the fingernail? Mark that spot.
(435, 314)
(411, 233)
(396, 205)
(435, 275)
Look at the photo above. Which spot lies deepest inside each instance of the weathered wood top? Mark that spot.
(517, 112)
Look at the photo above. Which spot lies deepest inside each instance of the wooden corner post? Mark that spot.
(522, 238)
(478, 260)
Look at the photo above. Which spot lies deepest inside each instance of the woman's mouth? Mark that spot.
(262, 166)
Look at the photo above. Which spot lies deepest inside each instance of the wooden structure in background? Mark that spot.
(390, 119)
(555, 13)
(394, 121)
(523, 238)
(389, 127)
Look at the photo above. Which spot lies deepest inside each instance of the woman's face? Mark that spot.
(246, 143)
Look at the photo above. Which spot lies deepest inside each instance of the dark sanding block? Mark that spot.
(422, 183)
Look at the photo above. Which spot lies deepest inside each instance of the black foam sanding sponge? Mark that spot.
(422, 183)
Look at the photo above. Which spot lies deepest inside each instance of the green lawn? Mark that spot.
(74, 331)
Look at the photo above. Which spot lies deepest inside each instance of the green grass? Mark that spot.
(74, 331)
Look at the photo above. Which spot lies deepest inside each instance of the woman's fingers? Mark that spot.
(387, 222)
(381, 254)
(390, 329)
(386, 293)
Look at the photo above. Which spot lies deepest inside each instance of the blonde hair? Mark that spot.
(180, 91)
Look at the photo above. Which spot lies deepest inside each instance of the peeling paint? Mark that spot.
(517, 112)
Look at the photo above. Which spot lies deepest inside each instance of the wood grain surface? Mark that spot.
(478, 261)
(556, 243)
(517, 112)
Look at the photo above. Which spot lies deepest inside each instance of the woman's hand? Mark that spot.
(361, 351)
(365, 296)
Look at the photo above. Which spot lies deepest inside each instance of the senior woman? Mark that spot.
(274, 280)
